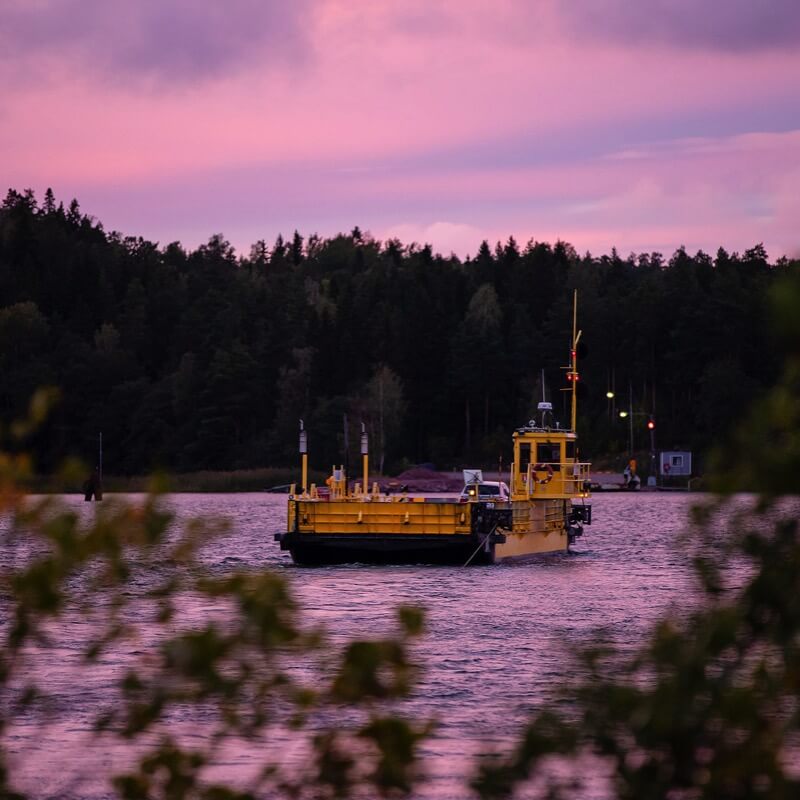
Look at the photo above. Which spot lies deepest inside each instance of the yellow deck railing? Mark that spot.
(554, 479)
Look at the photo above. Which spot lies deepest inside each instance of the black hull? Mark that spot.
(318, 549)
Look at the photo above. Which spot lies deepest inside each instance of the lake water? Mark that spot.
(493, 650)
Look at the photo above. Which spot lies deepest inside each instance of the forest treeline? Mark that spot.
(203, 359)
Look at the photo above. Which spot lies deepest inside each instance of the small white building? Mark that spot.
(675, 462)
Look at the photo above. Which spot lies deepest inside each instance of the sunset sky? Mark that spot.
(642, 125)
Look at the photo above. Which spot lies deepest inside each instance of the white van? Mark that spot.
(486, 490)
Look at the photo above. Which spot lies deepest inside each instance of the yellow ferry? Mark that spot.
(542, 510)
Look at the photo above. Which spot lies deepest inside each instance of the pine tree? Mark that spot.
(49, 205)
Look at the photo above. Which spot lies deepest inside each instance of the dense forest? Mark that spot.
(204, 359)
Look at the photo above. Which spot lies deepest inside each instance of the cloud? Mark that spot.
(178, 41)
(593, 121)
(444, 237)
(743, 144)
(723, 25)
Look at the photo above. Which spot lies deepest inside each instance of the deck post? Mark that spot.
(304, 456)
(365, 455)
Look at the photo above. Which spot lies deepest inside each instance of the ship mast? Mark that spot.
(573, 366)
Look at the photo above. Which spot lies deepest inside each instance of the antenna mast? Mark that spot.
(545, 407)
(573, 367)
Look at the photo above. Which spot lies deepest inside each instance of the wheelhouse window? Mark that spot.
(524, 457)
(549, 453)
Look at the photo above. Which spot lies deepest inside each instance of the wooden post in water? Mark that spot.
(98, 489)
(93, 485)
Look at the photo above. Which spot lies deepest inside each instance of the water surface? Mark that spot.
(494, 647)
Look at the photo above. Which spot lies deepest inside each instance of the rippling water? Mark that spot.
(493, 650)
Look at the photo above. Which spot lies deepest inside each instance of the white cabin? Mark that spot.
(673, 463)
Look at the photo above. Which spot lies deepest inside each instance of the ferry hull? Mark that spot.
(331, 548)
(322, 549)
(520, 546)
(427, 533)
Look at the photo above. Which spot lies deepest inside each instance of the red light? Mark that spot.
(573, 353)
(650, 424)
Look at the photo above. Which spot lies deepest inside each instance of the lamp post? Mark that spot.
(651, 426)
(612, 393)
(629, 414)
(624, 415)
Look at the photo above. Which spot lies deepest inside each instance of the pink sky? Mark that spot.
(644, 126)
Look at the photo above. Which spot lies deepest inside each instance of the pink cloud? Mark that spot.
(470, 117)
(151, 41)
(446, 237)
(703, 193)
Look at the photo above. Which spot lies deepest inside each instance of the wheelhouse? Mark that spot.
(546, 464)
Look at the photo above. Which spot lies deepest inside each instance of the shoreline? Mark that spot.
(200, 482)
(263, 479)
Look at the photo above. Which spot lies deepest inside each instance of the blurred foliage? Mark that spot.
(130, 575)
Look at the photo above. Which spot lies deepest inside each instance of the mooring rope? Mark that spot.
(481, 544)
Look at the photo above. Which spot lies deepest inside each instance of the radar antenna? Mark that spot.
(545, 407)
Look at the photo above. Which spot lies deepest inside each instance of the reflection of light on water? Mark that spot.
(495, 647)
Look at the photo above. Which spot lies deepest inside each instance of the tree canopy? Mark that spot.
(205, 359)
